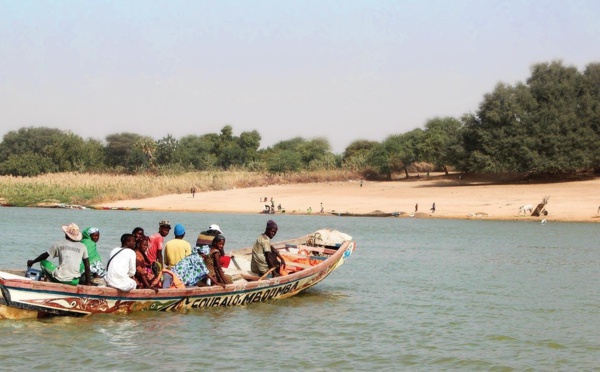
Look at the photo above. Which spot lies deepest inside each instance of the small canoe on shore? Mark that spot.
(371, 214)
(309, 260)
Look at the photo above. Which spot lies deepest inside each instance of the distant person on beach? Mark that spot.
(433, 208)
(70, 252)
(177, 248)
(264, 256)
(155, 250)
(322, 209)
(416, 207)
(360, 183)
(193, 191)
(121, 265)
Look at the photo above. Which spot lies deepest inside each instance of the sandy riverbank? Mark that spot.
(454, 198)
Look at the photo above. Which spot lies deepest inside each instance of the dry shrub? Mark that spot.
(85, 189)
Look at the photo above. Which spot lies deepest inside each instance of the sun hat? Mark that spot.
(166, 223)
(72, 231)
(179, 230)
(215, 227)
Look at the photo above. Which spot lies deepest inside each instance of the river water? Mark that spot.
(417, 294)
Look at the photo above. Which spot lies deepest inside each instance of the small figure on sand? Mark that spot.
(309, 210)
(433, 208)
(322, 209)
(416, 207)
(193, 191)
(360, 183)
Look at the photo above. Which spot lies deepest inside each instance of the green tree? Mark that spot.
(28, 164)
(197, 151)
(284, 161)
(356, 155)
(440, 139)
(119, 149)
(36, 140)
(165, 150)
(590, 108)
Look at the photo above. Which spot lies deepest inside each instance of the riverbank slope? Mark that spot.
(453, 197)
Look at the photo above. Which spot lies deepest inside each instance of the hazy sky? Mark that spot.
(344, 70)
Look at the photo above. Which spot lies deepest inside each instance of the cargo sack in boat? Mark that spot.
(328, 238)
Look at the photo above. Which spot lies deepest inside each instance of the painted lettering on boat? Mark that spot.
(243, 299)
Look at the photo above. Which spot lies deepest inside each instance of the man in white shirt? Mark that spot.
(121, 266)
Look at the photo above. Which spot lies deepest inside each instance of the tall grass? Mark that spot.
(88, 189)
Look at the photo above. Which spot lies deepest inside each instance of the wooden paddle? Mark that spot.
(267, 273)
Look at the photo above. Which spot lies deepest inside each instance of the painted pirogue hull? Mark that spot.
(23, 297)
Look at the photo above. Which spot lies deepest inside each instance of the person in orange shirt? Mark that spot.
(155, 250)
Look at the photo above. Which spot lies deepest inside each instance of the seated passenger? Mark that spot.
(214, 260)
(177, 248)
(205, 239)
(191, 271)
(144, 275)
(264, 256)
(121, 265)
(91, 235)
(70, 252)
(138, 233)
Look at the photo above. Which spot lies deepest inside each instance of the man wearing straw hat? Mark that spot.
(70, 252)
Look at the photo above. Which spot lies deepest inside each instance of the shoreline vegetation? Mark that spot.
(318, 193)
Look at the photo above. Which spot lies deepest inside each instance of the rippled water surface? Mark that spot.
(417, 294)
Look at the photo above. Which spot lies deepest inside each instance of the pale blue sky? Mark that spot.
(344, 70)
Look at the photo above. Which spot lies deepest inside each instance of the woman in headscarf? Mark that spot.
(144, 276)
(213, 261)
(90, 237)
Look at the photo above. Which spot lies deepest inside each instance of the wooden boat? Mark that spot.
(310, 259)
(370, 214)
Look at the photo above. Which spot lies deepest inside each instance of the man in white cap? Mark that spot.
(70, 252)
(206, 237)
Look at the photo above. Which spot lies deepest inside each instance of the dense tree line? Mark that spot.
(549, 124)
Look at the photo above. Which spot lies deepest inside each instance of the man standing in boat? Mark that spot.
(70, 252)
(265, 258)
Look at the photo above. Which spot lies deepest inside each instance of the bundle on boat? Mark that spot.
(309, 259)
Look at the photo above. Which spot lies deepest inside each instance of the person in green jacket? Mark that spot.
(91, 235)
